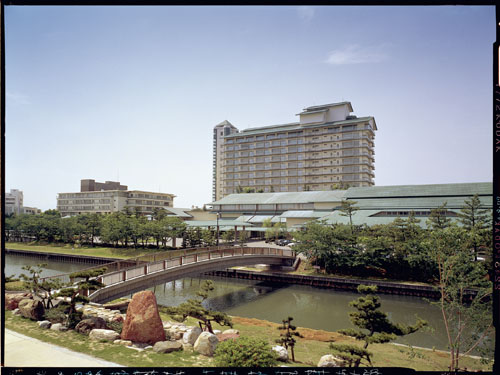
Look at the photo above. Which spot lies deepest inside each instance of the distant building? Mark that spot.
(328, 148)
(221, 130)
(14, 202)
(111, 197)
(377, 204)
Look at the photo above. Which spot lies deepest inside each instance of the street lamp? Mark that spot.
(218, 215)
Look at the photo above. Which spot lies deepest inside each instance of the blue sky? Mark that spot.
(133, 93)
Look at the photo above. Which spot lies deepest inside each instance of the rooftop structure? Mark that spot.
(328, 147)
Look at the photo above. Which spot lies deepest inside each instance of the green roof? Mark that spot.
(178, 212)
(282, 198)
(305, 214)
(461, 189)
(213, 223)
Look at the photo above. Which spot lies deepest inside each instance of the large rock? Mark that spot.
(12, 299)
(330, 361)
(87, 325)
(104, 334)
(143, 322)
(191, 335)
(206, 343)
(167, 346)
(231, 332)
(32, 309)
(45, 324)
(58, 327)
(281, 352)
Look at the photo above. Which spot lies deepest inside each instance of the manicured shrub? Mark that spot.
(244, 352)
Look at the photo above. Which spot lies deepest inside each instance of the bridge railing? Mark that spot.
(127, 269)
(162, 265)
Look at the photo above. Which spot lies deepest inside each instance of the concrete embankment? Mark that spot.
(63, 257)
(339, 283)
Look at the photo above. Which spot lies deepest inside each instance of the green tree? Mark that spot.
(228, 235)
(244, 352)
(351, 354)
(209, 237)
(193, 308)
(77, 292)
(437, 218)
(373, 324)
(347, 209)
(477, 222)
(287, 336)
(466, 294)
(243, 237)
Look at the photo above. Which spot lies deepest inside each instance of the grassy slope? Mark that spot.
(104, 252)
(307, 352)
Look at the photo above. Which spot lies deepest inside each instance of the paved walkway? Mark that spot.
(24, 351)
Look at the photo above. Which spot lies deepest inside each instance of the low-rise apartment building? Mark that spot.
(107, 201)
(327, 147)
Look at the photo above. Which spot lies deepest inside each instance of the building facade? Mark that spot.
(221, 130)
(107, 201)
(14, 202)
(377, 204)
(326, 149)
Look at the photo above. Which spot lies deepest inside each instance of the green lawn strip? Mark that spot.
(307, 351)
(102, 252)
(15, 286)
(103, 350)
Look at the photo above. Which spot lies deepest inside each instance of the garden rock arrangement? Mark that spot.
(281, 352)
(31, 309)
(206, 344)
(330, 361)
(143, 322)
(90, 311)
(12, 299)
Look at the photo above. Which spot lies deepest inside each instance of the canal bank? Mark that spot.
(275, 276)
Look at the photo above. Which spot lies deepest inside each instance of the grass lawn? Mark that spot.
(308, 349)
(103, 252)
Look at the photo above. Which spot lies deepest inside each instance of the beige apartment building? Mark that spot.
(109, 200)
(326, 149)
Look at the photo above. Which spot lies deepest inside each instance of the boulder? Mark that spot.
(87, 325)
(206, 343)
(32, 309)
(123, 342)
(58, 327)
(167, 346)
(12, 299)
(16, 311)
(45, 324)
(217, 331)
(231, 332)
(281, 352)
(330, 361)
(191, 335)
(143, 322)
(104, 334)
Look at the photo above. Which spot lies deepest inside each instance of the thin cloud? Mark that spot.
(306, 13)
(354, 54)
(13, 98)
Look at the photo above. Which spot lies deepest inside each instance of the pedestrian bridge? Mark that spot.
(144, 274)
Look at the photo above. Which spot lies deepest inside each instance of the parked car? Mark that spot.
(283, 242)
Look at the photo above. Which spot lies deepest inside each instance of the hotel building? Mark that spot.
(327, 148)
(111, 197)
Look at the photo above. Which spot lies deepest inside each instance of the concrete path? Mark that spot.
(24, 351)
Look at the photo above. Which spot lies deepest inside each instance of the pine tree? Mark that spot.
(437, 218)
(193, 308)
(287, 337)
(476, 221)
(370, 318)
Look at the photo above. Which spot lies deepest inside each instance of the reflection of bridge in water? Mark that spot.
(129, 276)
